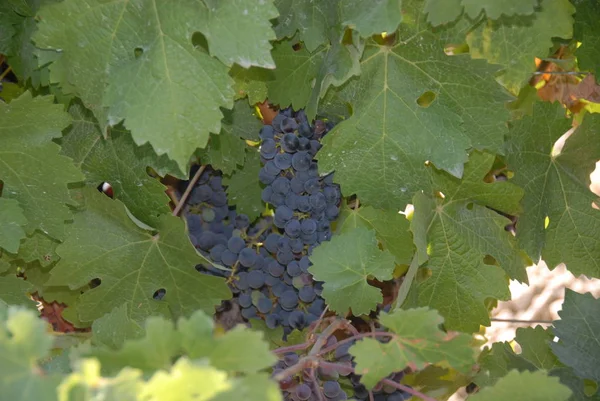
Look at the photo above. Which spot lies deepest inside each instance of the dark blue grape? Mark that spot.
(216, 251)
(297, 245)
(315, 146)
(288, 125)
(264, 305)
(284, 214)
(272, 321)
(303, 204)
(277, 120)
(267, 132)
(279, 289)
(292, 228)
(271, 168)
(256, 279)
(307, 294)
(317, 201)
(289, 143)
(228, 258)
(281, 185)
(331, 389)
(304, 144)
(216, 183)
(276, 269)
(271, 241)
(203, 193)
(271, 280)
(266, 194)
(206, 240)
(291, 200)
(304, 263)
(297, 320)
(302, 391)
(242, 280)
(283, 160)
(277, 199)
(285, 257)
(332, 212)
(245, 300)
(301, 161)
(288, 300)
(308, 226)
(242, 221)
(268, 148)
(247, 257)
(297, 185)
(312, 186)
(236, 244)
(290, 359)
(265, 177)
(250, 312)
(219, 198)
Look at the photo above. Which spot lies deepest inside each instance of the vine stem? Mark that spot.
(188, 190)
(407, 389)
(5, 73)
(292, 348)
(300, 365)
(522, 321)
(356, 337)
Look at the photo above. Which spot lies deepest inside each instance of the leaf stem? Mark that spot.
(407, 282)
(292, 370)
(292, 348)
(407, 389)
(188, 190)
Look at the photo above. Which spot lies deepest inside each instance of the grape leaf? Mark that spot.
(295, 69)
(23, 342)
(455, 234)
(514, 43)
(372, 17)
(38, 247)
(144, 49)
(33, 172)
(310, 19)
(132, 264)
(535, 347)
(345, 263)
(118, 161)
(587, 32)
(251, 82)
(86, 381)
(194, 380)
(557, 188)
(243, 188)
(238, 350)
(391, 229)
(578, 332)
(112, 329)
(227, 150)
(531, 386)
(239, 31)
(15, 291)
(444, 11)
(497, 361)
(417, 340)
(224, 152)
(12, 222)
(392, 134)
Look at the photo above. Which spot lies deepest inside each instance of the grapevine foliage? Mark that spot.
(294, 199)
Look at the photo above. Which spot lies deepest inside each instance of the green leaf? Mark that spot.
(238, 350)
(391, 229)
(38, 247)
(556, 187)
(23, 342)
(227, 150)
(515, 42)
(112, 329)
(497, 361)
(535, 347)
(243, 187)
(15, 291)
(12, 222)
(141, 67)
(251, 82)
(194, 380)
(345, 263)
(132, 264)
(531, 386)
(417, 340)
(239, 31)
(456, 234)
(578, 331)
(310, 19)
(392, 135)
(33, 172)
(372, 17)
(587, 32)
(118, 161)
(444, 11)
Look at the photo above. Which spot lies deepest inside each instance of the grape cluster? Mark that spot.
(381, 392)
(279, 288)
(268, 259)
